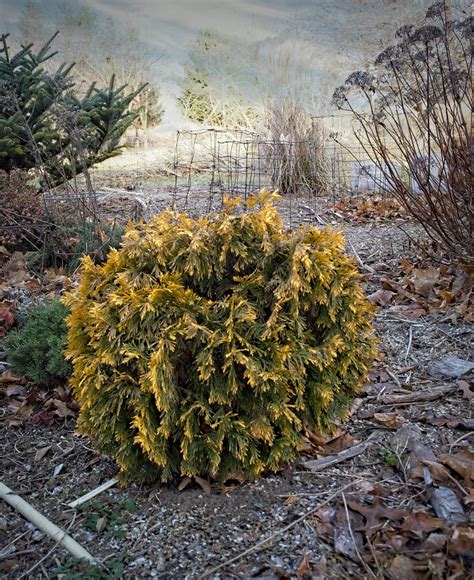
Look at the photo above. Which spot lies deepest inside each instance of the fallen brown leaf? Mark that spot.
(469, 498)
(337, 445)
(304, 569)
(467, 389)
(420, 523)
(325, 524)
(101, 524)
(404, 567)
(41, 453)
(376, 513)
(381, 297)
(33, 284)
(411, 311)
(44, 417)
(461, 542)
(397, 541)
(451, 422)
(305, 445)
(203, 484)
(9, 377)
(7, 319)
(437, 470)
(62, 410)
(462, 463)
(390, 420)
(424, 280)
(184, 483)
(292, 499)
(319, 439)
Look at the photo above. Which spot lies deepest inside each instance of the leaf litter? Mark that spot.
(399, 508)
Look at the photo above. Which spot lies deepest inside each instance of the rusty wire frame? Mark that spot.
(219, 163)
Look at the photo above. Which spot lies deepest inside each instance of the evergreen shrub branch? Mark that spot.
(36, 350)
(205, 346)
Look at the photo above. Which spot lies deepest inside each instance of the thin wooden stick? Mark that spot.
(319, 464)
(362, 561)
(256, 547)
(46, 556)
(394, 377)
(410, 339)
(93, 493)
(45, 525)
(418, 397)
(14, 554)
(359, 259)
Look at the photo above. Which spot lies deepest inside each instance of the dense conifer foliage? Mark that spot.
(46, 124)
(205, 346)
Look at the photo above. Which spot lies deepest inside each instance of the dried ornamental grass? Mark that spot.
(203, 347)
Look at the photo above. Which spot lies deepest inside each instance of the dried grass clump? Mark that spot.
(297, 156)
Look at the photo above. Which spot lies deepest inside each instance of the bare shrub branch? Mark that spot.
(414, 118)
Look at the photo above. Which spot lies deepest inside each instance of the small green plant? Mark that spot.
(107, 516)
(36, 351)
(74, 569)
(204, 347)
(69, 241)
(389, 456)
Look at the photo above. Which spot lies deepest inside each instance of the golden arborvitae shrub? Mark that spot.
(205, 346)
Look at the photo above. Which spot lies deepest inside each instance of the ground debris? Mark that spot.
(447, 506)
(451, 366)
(368, 515)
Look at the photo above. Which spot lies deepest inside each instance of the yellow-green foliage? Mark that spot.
(203, 347)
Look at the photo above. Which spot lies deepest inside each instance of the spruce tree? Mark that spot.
(45, 123)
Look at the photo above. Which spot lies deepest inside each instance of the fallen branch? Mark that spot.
(319, 219)
(93, 493)
(260, 544)
(418, 397)
(359, 259)
(14, 554)
(319, 464)
(45, 525)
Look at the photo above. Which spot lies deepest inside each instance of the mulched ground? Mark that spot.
(370, 516)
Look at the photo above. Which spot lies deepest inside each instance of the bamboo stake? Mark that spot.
(45, 525)
(93, 493)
